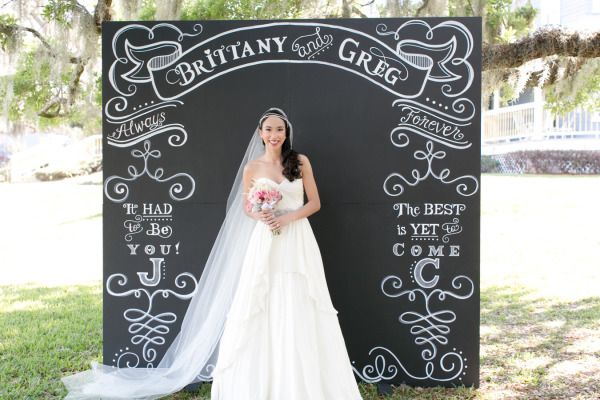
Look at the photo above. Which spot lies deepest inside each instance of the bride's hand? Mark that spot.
(279, 221)
(265, 216)
(261, 215)
(272, 221)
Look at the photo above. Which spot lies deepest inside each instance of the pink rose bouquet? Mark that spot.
(263, 196)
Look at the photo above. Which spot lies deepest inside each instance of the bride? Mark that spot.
(261, 325)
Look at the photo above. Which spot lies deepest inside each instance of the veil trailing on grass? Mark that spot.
(192, 356)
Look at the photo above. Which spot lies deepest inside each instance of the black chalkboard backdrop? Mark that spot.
(387, 110)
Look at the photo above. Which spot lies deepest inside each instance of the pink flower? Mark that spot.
(263, 196)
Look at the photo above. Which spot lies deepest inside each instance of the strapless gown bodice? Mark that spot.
(292, 193)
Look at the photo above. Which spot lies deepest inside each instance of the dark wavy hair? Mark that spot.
(289, 156)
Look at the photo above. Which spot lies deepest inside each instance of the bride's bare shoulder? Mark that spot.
(303, 158)
(251, 165)
(250, 169)
(304, 163)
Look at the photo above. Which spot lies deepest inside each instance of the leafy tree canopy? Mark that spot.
(52, 48)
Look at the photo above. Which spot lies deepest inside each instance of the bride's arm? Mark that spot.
(310, 188)
(247, 179)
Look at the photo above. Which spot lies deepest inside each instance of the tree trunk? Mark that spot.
(433, 8)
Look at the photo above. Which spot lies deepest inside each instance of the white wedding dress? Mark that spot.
(282, 339)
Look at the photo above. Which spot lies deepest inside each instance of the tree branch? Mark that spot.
(421, 8)
(548, 73)
(346, 9)
(52, 108)
(13, 29)
(542, 43)
(102, 13)
(82, 9)
(359, 12)
(74, 84)
(59, 106)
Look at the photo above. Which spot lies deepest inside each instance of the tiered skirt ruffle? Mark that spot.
(282, 338)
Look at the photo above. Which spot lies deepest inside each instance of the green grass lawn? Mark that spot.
(540, 304)
(52, 332)
(47, 333)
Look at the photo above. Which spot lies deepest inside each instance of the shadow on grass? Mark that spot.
(539, 348)
(530, 347)
(47, 332)
(50, 332)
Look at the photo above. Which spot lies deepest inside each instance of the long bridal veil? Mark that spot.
(192, 356)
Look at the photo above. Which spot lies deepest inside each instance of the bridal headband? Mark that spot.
(270, 112)
(278, 112)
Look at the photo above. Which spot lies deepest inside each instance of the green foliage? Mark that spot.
(227, 9)
(459, 8)
(35, 82)
(32, 87)
(98, 90)
(240, 9)
(7, 37)
(503, 24)
(522, 17)
(568, 162)
(489, 164)
(581, 90)
(147, 11)
(60, 11)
